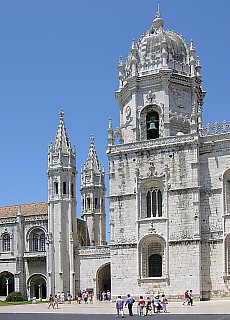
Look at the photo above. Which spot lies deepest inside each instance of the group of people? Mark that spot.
(104, 295)
(86, 296)
(188, 298)
(55, 300)
(60, 298)
(144, 307)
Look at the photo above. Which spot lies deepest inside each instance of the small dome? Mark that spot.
(158, 48)
(152, 42)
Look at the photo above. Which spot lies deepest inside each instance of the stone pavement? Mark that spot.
(106, 307)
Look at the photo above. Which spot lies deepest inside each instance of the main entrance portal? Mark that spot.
(104, 278)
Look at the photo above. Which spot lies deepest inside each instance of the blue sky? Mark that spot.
(64, 54)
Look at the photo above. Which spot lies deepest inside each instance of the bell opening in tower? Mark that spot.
(152, 125)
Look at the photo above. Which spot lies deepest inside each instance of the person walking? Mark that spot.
(129, 302)
(55, 303)
(186, 298)
(85, 296)
(79, 296)
(156, 304)
(190, 296)
(148, 306)
(62, 297)
(69, 297)
(120, 307)
(51, 301)
(164, 301)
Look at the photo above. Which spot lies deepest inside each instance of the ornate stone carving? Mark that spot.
(178, 97)
(151, 143)
(215, 129)
(151, 228)
(150, 98)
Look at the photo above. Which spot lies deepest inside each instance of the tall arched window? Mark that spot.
(151, 256)
(64, 187)
(154, 203)
(37, 241)
(42, 242)
(6, 242)
(152, 125)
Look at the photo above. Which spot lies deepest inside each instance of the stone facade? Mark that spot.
(169, 193)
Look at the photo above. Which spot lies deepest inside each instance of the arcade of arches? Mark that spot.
(36, 287)
(6, 283)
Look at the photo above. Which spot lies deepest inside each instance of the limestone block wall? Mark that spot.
(214, 162)
(124, 271)
(92, 260)
(213, 284)
(184, 267)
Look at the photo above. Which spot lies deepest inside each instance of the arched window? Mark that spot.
(152, 125)
(155, 265)
(154, 203)
(151, 256)
(37, 241)
(6, 242)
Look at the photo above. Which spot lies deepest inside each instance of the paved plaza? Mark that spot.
(106, 307)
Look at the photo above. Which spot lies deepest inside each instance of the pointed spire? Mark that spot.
(158, 15)
(110, 133)
(92, 159)
(192, 47)
(198, 68)
(133, 47)
(61, 140)
(158, 22)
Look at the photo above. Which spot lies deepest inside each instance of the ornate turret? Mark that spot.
(161, 65)
(62, 212)
(92, 195)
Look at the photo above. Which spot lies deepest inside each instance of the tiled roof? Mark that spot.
(31, 209)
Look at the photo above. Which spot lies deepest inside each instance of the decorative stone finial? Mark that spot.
(61, 113)
(158, 22)
(92, 139)
(120, 64)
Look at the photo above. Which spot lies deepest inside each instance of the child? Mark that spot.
(140, 306)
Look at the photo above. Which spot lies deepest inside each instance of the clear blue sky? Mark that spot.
(64, 53)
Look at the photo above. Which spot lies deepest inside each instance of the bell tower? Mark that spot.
(159, 92)
(92, 198)
(150, 173)
(61, 213)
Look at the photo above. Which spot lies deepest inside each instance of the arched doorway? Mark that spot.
(6, 283)
(37, 287)
(104, 278)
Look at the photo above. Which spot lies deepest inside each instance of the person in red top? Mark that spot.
(140, 306)
(186, 297)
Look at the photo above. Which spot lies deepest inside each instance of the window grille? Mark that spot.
(6, 242)
(154, 203)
